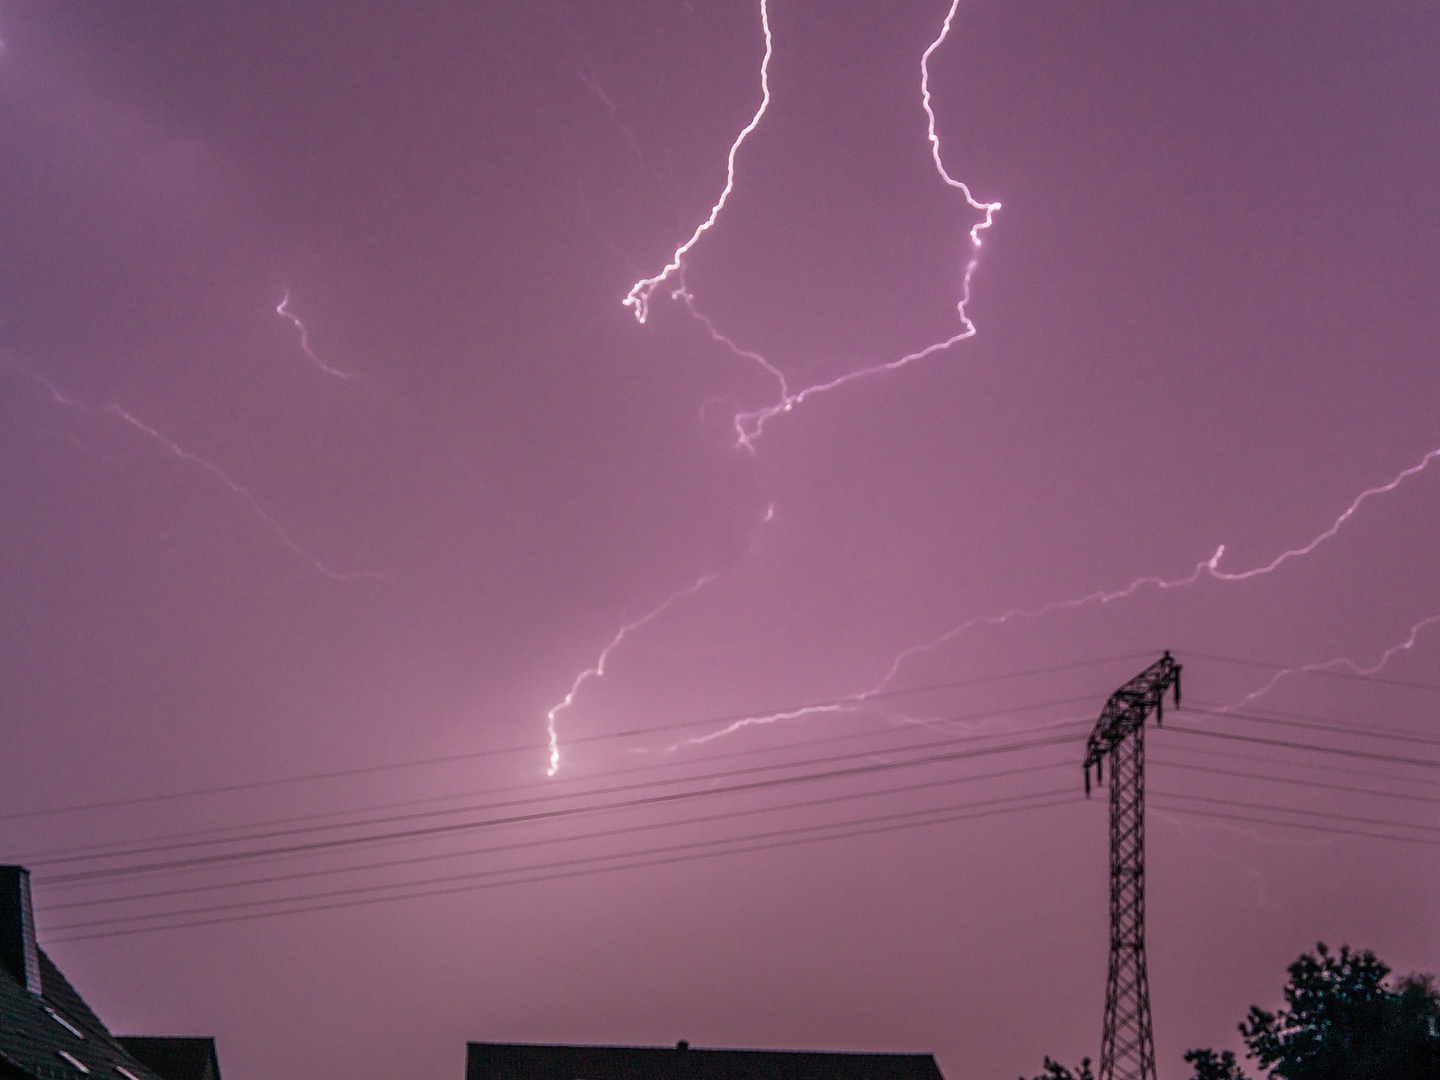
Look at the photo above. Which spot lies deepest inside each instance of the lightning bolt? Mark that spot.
(283, 310)
(1209, 567)
(597, 670)
(239, 489)
(638, 298)
(749, 425)
(1342, 662)
(1294, 553)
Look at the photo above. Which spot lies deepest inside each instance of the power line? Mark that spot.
(679, 853)
(553, 798)
(212, 835)
(858, 700)
(1297, 782)
(714, 847)
(1304, 670)
(1295, 762)
(118, 848)
(1294, 810)
(408, 834)
(526, 846)
(600, 834)
(1060, 800)
(552, 814)
(1317, 724)
(698, 849)
(1329, 829)
(1304, 746)
(711, 818)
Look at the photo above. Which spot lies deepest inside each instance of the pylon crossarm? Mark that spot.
(1129, 706)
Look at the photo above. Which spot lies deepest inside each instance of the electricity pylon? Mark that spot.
(1127, 1044)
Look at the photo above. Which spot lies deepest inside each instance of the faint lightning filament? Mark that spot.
(209, 466)
(283, 310)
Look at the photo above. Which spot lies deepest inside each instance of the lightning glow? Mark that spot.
(239, 489)
(283, 310)
(597, 670)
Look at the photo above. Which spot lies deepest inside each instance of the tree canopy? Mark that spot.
(1055, 1071)
(1344, 1020)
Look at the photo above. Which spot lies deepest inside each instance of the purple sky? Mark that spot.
(1206, 314)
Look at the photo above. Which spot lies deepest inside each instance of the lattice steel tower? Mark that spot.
(1127, 1044)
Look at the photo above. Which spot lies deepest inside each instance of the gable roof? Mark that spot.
(520, 1061)
(47, 1032)
(38, 1031)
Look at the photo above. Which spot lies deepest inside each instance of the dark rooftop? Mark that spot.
(47, 1032)
(175, 1057)
(43, 1034)
(518, 1061)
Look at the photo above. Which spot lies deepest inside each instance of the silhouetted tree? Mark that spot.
(1055, 1071)
(1212, 1066)
(1343, 1021)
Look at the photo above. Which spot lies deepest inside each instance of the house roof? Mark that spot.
(47, 1032)
(43, 1035)
(519, 1061)
(175, 1058)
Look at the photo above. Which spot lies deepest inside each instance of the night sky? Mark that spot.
(333, 461)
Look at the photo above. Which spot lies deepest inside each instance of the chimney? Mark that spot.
(19, 954)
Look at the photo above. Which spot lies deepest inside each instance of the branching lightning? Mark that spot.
(1209, 567)
(638, 298)
(597, 670)
(283, 310)
(1341, 662)
(749, 424)
(60, 398)
(1381, 489)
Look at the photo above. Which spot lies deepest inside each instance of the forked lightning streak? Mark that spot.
(597, 670)
(748, 425)
(1210, 567)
